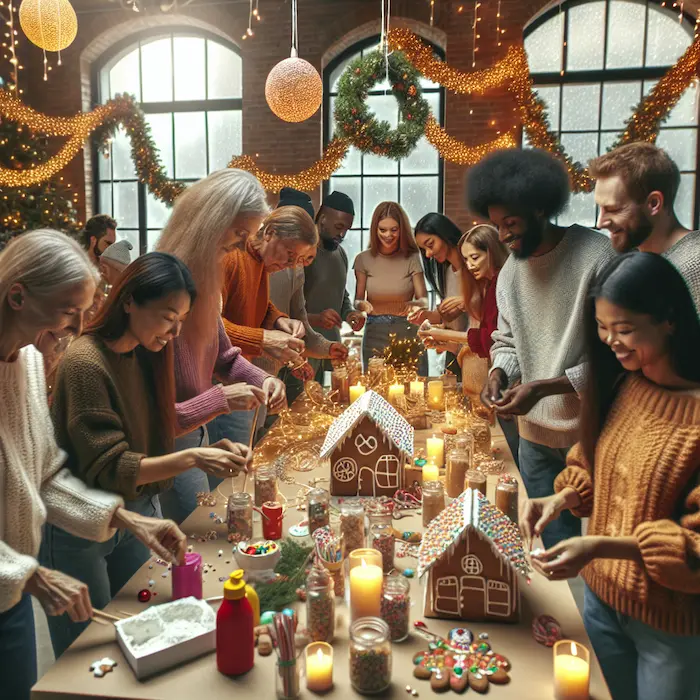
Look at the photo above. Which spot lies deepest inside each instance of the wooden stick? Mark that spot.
(99, 621)
(105, 616)
(253, 430)
(125, 614)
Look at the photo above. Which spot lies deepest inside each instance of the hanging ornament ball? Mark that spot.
(50, 24)
(294, 90)
(144, 595)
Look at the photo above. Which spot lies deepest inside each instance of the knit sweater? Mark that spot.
(106, 416)
(644, 484)
(33, 486)
(479, 339)
(197, 400)
(685, 257)
(247, 309)
(540, 334)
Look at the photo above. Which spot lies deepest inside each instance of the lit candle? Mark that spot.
(430, 472)
(319, 667)
(436, 394)
(571, 671)
(356, 390)
(418, 388)
(370, 556)
(395, 390)
(435, 447)
(365, 590)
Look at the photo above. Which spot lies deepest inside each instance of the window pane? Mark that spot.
(162, 131)
(104, 165)
(351, 162)
(384, 108)
(152, 237)
(607, 139)
(157, 212)
(685, 112)
(352, 187)
(580, 107)
(353, 245)
(124, 76)
(104, 203)
(581, 210)
(619, 101)
(224, 79)
(338, 71)
(189, 68)
(552, 99)
(424, 159)
(544, 46)
(225, 138)
(681, 145)
(190, 145)
(666, 38)
(625, 33)
(126, 206)
(375, 191)
(131, 235)
(581, 147)
(379, 165)
(419, 195)
(585, 43)
(157, 71)
(685, 199)
(123, 166)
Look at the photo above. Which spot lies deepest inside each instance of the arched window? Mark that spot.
(190, 88)
(415, 182)
(591, 63)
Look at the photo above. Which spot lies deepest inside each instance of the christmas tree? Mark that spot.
(48, 204)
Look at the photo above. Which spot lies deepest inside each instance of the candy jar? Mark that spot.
(396, 606)
(381, 538)
(318, 508)
(433, 501)
(320, 605)
(475, 480)
(507, 496)
(352, 525)
(239, 517)
(340, 383)
(265, 485)
(459, 462)
(370, 655)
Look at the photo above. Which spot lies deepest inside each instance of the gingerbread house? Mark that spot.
(368, 446)
(472, 555)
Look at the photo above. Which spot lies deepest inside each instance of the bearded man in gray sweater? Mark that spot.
(538, 363)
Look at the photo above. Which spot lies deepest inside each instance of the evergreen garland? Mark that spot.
(291, 569)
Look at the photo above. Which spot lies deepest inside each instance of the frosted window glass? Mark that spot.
(126, 206)
(585, 43)
(152, 237)
(124, 76)
(551, 97)
(581, 210)
(625, 33)
(104, 165)
(619, 101)
(122, 164)
(338, 71)
(375, 191)
(419, 195)
(351, 163)
(162, 132)
(667, 40)
(225, 138)
(156, 211)
(190, 83)
(681, 145)
(385, 109)
(423, 160)
(580, 107)
(544, 46)
(355, 242)
(581, 147)
(685, 113)
(607, 139)
(106, 198)
(157, 71)
(225, 75)
(684, 200)
(190, 145)
(131, 235)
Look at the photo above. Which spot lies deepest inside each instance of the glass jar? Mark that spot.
(318, 504)
(475, 479)
(320, 605)
(265, 485)
(287, 679)
(370, 655)
(340, 383)
(239, 517)
(396, 606)
(381, 538)
(507, 496)
(352, 525)
(459, 462)
(433, 501)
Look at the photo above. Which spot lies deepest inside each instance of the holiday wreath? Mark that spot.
(354, 119)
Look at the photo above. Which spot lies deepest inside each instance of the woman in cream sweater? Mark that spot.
(47, 283)
(635, 473)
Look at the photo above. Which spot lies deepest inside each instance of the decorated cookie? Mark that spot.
(422, 672)
(105, 665)
(499, 677)
(440, 680)
(460, 638)
(478, 682)
(459, 679)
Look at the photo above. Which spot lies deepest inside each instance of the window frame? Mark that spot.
(114, 54)
(604, 75)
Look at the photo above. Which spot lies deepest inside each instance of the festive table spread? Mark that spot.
(531, 664)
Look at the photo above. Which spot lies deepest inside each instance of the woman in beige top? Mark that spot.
(390, 282)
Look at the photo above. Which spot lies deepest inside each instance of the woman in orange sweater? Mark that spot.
(635, 473)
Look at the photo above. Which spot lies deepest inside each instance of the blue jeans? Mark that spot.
(638, 661)
(512, 436)
(539, 466)
(105, 567)
(18, 650)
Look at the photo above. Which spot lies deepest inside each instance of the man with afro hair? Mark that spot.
(538, 366)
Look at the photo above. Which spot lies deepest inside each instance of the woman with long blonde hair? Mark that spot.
(211, 218)
(390, 282)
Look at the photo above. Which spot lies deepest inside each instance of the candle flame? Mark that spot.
(573, 649)
(364, 563)
(319, 655)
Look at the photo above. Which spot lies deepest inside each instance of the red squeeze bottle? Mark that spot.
(235, 641)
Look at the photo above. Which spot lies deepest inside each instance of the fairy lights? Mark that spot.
(457, 152)
(499, 32)
(475, 31)
(432, 13)
(11, 45)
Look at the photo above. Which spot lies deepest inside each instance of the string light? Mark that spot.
(475, 31)
(499, 31)
(432, 12)
(249, 31)
(563, 35)
(11, 46)
(457, 152)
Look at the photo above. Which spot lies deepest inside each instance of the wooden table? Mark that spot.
(531, 675)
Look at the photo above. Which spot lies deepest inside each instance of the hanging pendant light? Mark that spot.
(51, 25)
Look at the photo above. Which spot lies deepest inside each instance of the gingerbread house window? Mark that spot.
(471, 565)
(345, 469)
(388, 472)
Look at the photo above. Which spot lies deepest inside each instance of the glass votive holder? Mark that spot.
(319, 667)
(370, 556)
(572, 670)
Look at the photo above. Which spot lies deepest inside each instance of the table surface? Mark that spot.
(531, 674)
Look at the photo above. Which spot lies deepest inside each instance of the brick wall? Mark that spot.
(326, 27)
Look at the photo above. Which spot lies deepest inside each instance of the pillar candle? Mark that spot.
(571, 671)
(395, 390)
(436, 398)
(365, 590)
(319, 667)
(435, 447)
(417, 388)
(370, 556)
(356, 391)
(430, 472)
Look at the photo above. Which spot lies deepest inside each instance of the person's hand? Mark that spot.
(518, 400)
(364, 306)
(222, 459)
(329, 318)
(338, 352)
(493, 390)
(566, 559)
(356, 319)
(243, 397)
(283, 347)
(162, 536)
(539, 512)
(276, 394)
(440, 346)
(59, 593)
(304, 373)
(451, 308)
(418, 316)
(293, 326)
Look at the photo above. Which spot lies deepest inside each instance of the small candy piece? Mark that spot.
(288, 612)
(422, 672)
(267, 617)
(151, 583)
(502, 661)
(478, 682)
(144, 595)
(408, 688)
(484, 635)
(440, 680)
(221, 552)
(264, 645)
(500, 677)
(449, 430)
(105, 665)
(408, 573)
(414, 693)
(418, 657)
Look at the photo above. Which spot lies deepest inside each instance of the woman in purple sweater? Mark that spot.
(209, 219)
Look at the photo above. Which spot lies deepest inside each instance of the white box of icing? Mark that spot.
(167, 635)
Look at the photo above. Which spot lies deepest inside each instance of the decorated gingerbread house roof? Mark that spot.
(393, 425)
(471, 511)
